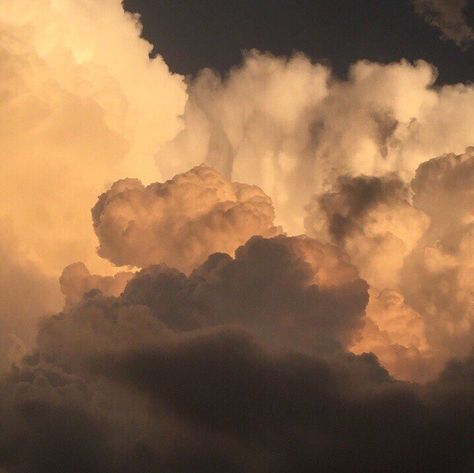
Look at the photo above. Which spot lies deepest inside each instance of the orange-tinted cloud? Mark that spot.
(82, 104)
(179, 222)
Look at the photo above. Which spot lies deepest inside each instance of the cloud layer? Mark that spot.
(112, 388)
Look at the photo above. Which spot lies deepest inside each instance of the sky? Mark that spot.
(337, 32)
(236, 236)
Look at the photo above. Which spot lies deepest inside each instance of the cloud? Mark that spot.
(179, 222)
(76, 281)
(84, 106)
(322, 406)
(290, 127)
(276, 289)
(228, 350)
(212, 400)
(79, 109)
(373, 220)
(443, 189)
(95, 326)
(449, 17)
(291, 292)
(413, 244)
(25, 293)
(443, 264)
(396, 333)
(242, 364)
(307, 297)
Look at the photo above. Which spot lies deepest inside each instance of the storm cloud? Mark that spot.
(269, 271)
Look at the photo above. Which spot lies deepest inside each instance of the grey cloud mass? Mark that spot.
(449, 17)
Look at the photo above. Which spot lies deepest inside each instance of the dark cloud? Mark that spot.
(290, 291)
(217, 401)
(340, 415)
(210, 373)
(346, 207)
(449, 17)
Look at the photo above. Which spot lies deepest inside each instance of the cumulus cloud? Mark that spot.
(306, 294)
(443, 262)
(97, 325)
(396, 333)
(449, 17)
(229, 349)
(79, 108)
(291, 292)
(82, 104)
(413, 243)
(290, 127)
(76, 281)
(373, 220)
(288, 293)
(179, 222)
(241, 364)
(444, 189)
